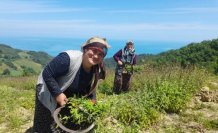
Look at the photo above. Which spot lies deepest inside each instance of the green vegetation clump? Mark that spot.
(27, 71)
(6, 72)
(211, 124)
(81, 113)
(39, 57)
(153, 92)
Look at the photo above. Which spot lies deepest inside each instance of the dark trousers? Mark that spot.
(42, 117)
(121, 82)
(43, 120)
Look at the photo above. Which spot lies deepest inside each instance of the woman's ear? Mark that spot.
(85, 50)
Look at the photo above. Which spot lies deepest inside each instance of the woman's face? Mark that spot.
(93, 56)
(130, 47)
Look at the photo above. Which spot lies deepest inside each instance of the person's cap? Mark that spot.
(96, 43)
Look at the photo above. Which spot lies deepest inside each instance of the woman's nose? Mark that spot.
(95, 55)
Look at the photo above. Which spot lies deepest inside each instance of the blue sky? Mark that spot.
(154, 25)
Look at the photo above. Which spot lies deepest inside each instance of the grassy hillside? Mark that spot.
(15, 62)
(203, 54)
(154, 93)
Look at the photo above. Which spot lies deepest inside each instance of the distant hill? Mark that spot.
(16, 62)
(203, 54)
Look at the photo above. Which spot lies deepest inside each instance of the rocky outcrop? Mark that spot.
(207, 95)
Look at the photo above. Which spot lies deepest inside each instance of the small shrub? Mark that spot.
(6, 72)
(211, 124)
(80, 113)
(27, 71)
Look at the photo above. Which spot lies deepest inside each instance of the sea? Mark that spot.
(53, 46)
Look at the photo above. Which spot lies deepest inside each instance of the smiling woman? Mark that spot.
(71, 73)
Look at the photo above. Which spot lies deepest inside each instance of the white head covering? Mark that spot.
(96, 39)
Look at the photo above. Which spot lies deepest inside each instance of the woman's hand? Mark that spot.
(120, 62)
(93, 101)
(61, 99)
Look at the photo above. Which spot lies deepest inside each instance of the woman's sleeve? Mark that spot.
(117, 55)
(59, 66)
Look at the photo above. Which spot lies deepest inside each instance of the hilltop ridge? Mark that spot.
(16, 62)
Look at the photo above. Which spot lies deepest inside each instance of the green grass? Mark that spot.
(208, 123)
(15, 72)
(3, 67)
(20, 83)
(16, 107)
(16, 103)
(24, 62)
(23, 55)
(211, 124)
(152, 93)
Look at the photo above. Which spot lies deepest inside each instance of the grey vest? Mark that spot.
(64, 82)
(126, 58)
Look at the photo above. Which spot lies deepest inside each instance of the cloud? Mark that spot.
(167, 11)
(195, 10)
(28, 7)
(90, 24)
(87, 28)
